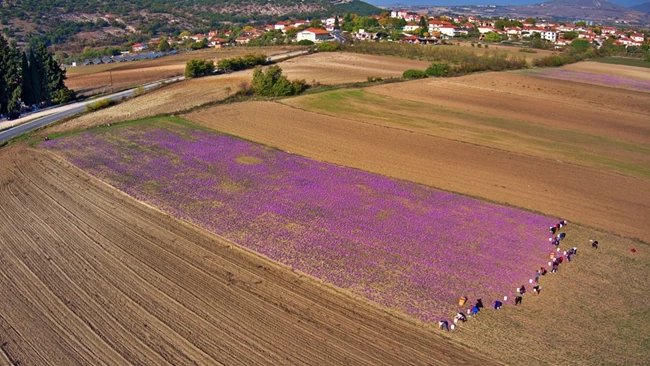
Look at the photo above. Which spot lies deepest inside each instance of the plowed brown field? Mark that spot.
(596, 198)
(95, 79)
(91, 276)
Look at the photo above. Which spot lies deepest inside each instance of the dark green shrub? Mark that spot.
(414, 74)
(197, 68)
(328, 47)
(271, 83)
(305, 42)
(439, 69)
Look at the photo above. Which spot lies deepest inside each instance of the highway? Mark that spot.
(11, 129)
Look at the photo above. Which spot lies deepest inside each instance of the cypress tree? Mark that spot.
(28, 95)
(36, 77)
(10, 77)
(4, 89)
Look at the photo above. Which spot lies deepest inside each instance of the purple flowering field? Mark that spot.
(408, 247)
(587, 77)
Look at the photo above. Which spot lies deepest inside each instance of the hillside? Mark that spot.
(645, 7)
(107, 22)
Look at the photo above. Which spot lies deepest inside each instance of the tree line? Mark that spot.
(32, 77)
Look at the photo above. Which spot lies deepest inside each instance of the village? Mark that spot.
(394, 26)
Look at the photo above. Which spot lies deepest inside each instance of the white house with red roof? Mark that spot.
(401, 14)
(281, 25)
(609, 30)
(313, 34)
(638, 37)
(409, 27)
(483, 30)
(139, 47)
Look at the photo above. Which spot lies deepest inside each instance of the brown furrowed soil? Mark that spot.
(95, 79)
(342, 67)
(592, 197)
(91, 276)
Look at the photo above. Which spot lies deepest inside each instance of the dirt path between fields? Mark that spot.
(91, 276)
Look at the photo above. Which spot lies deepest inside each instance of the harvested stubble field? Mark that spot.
(91, 276)
(94, 79)
(593, 197)
(512, 112)
(168, 99)
(342, 67)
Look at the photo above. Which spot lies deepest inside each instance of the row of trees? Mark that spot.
(33, 77)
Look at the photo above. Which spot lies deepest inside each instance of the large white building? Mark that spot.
(313, 34)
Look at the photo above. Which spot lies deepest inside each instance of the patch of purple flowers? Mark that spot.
(405, 246)
(586, 77)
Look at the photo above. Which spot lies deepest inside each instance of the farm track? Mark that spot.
(91, 276)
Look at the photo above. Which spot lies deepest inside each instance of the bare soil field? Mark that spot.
(542, 117)
(510, 50)
(94, 79)
(609, 69)
(91, 276)
(168, 99)
(341, 67)
(589, 196)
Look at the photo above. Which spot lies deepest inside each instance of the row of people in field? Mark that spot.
(555, 262)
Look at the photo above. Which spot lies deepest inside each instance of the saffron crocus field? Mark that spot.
(408, 247)
(591, 78)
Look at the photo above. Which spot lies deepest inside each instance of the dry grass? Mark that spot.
(94, 79)
(166, 100)
(509, 111)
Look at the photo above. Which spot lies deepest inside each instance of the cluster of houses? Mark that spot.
(442, 27)
(448, 27)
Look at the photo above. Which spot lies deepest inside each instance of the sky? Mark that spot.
(482, 2)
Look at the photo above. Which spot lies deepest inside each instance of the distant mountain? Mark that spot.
(599, 11)
(596, 10)
(645, 7)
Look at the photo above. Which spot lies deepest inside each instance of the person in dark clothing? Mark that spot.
(561, 235)
(475, 310)
(479, 303)
(555, 242)
(460, 317)
(444, 325)
(543, 271)
(522, 290)
(518, 300)
(537, 289)
(552, 229)
(497, 305)
(555, 266)
(594, 244)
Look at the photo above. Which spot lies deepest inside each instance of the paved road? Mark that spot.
(18, 127)
(337, 34)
